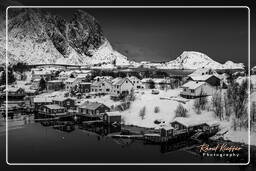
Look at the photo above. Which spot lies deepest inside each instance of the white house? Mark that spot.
(101, 86)
(71, 83)
(193, 89)
(64, 75)
(137, 84)
(120, 85)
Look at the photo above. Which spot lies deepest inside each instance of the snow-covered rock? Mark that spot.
(38, 37)
(196, 60)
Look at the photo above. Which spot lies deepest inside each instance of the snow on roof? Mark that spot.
(164, 126)
(81, 75)
(159, 80)
(61, 98)
(115, 113)
(201, 77)
(55, 81)
(213, 123)
(41, 100)
(54, 106)
(145, 80)
(13, 89)
(71, 80)
(193, 85)
(188, 122)
(85, 83)
(90, 105)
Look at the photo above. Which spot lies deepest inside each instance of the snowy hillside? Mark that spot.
(195, 60)
(37, 37)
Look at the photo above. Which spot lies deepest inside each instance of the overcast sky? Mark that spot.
(163, 34)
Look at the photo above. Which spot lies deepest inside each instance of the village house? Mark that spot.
(40, 101)
(46, 75)
(52, 110)
(101, 87)
(112, 117)
(65, 102)
(93, 109)
(15, 92)
(84, 87)
(35, 84)
(64, 75)
(121, 85)
(182, 124)
(137, 84)
(70, 83)
(210, 79)
(54, 85)
(98, 78)
(194, 89)
(31, 92)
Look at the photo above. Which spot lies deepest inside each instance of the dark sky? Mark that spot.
(163, 34)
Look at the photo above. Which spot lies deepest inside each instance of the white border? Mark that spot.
(249, 52)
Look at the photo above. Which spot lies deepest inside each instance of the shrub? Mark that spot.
(156, 109)
(142, 112)
(181, 111)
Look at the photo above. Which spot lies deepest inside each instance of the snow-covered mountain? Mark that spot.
(38, 37)
(195, 60)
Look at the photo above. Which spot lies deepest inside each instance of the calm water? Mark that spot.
(33, 143)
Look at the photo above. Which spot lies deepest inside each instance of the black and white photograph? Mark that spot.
(127, 85)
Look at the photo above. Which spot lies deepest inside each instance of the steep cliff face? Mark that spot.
(38, 37)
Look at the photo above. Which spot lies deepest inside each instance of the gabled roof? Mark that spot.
(115, 113)
(193, 85)
(70, 80)
(42, 100)
(13, 89)
(188, 122)
(61, 99)
(202, 77)
(120, 81)
(90, 105)
(54, 106)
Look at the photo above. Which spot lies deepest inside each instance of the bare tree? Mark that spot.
(181, 111)
(217, 104)
(156, 109)
(142, 112)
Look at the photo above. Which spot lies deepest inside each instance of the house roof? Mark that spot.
(202, 77)
(115, 113)
(61, 99)
(54, 106)
(120, 81)
(55, 81)
(145, 80)
(193, 84)
(13, 89)
(42, 99)
(90, 105)
(188, 122)
(71, 80)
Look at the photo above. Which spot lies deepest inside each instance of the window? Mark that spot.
(118, 92)
(68, 103)
(107, 90)
(126, 81)
(192, 91)
(103, 84)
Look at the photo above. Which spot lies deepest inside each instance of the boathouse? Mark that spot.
(112, 117)
(54, 85)
(40, 101)
(92, 109)
(65, 102)
(52, 110)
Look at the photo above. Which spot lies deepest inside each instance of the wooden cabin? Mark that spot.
(182, 125)
(52, 110)
(92, 109)
(65, 102)
(194, 89)
(39, 101)
(112, 117)
(84, 87)
(54, 85)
